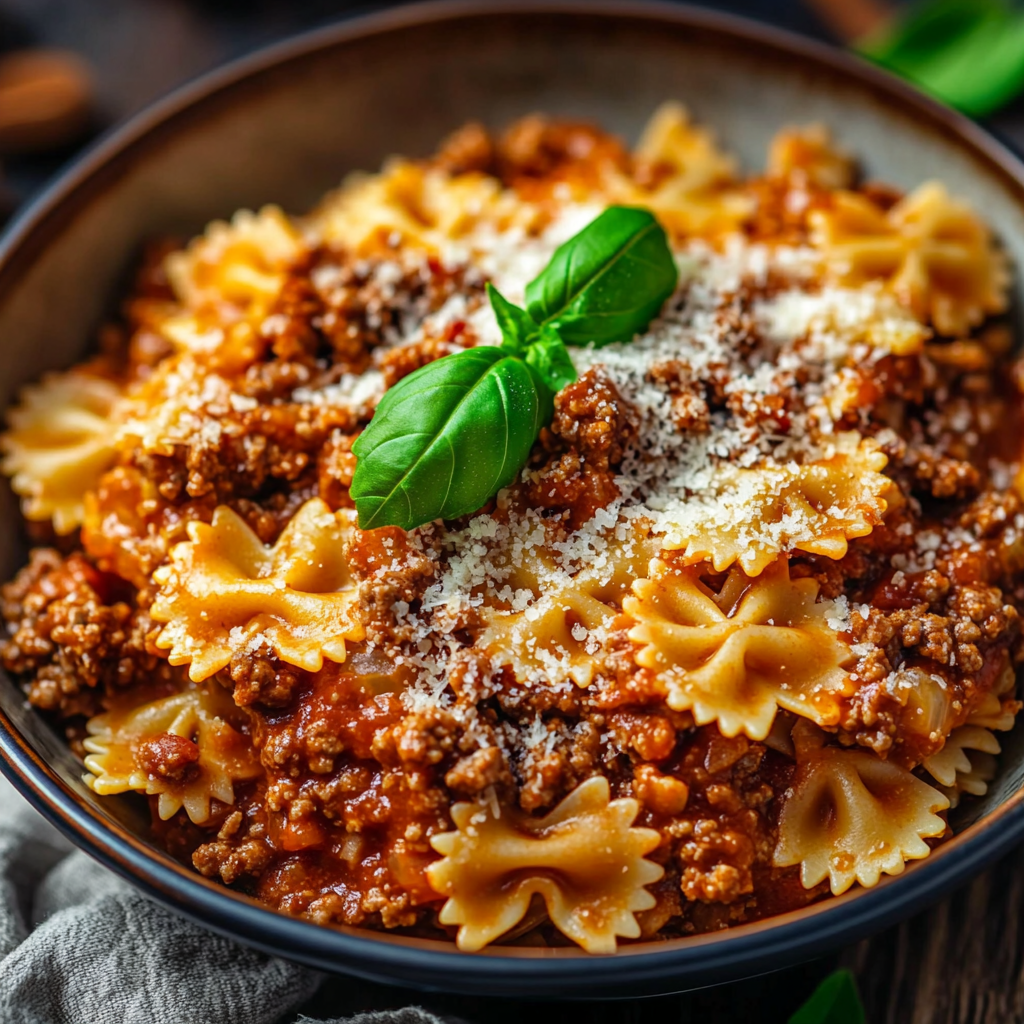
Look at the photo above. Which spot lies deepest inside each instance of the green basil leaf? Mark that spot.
(969, 53)
(447, 438)
(834, 1001)
(923, 28)
(548, 355)
(608, 282)
(517, 327)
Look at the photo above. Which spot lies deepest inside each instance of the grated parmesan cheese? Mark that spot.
(790, 348)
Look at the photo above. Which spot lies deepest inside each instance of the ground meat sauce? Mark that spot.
(358, 764)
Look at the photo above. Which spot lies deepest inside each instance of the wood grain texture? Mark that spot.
(960, 963)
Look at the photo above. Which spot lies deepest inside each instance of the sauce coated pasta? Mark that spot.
(738, 635)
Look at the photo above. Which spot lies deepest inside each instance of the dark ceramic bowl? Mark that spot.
(286, 125)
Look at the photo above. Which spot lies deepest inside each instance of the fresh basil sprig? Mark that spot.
(447, 438)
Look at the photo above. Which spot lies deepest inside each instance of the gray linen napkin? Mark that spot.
(80, 946)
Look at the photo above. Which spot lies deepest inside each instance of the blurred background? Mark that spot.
(70, 69)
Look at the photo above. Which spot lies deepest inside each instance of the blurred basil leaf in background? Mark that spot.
(969, 53)
(834, 1001)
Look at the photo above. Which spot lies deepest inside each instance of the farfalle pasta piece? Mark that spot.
(236, 268)
(690, 152)
(958, 771)
(967, 761)
(223, 345)
(983, 769)
(223, 589)
(184, 749)
(808, 155)
(583, 858)
(167, 409)
(932, 251)
(556, 636)
(998, 709)
(553, 640)
(869, 315)
(686, 179)
(164, 412)
(852, 817)
(992, 713)
(757, 514)
(736, 656)
(61, 440)
(423, 206)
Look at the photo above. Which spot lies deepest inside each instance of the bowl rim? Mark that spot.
(647, 968)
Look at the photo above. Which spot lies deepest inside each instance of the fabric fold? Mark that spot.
(78, 945)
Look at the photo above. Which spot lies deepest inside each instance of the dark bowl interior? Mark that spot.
(286, 125)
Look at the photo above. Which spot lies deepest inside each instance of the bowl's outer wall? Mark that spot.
(290, 132)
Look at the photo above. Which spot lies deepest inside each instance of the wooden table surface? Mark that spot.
(961, 962)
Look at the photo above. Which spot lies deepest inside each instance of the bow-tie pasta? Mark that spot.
(583, 858)
(425, 207)
(61, 441)
(993, 713)
(932, 251)
(958, 771)
(737, 655)
(756, 514)
(223, 589)
(853, 817)
(567, 616)
(808, 156)
(681, 174)
(967, 761)
(237, 268)
(185, 749)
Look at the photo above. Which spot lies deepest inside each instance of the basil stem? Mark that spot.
(518, 329)
(548, 355)
(447, 438)
(608, 282)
